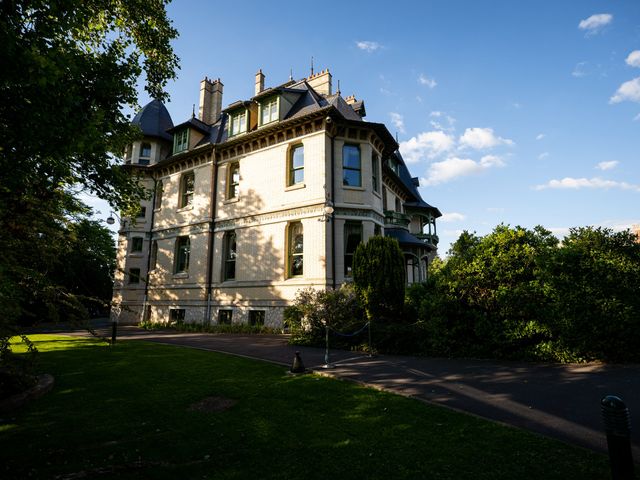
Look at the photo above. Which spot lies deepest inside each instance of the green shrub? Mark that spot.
(313, 309)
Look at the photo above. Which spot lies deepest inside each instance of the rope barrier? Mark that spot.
(349, 334)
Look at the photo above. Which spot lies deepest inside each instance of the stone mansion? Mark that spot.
(253, 202)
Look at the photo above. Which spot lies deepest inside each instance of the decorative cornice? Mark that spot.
(271, 217)
(359, 212)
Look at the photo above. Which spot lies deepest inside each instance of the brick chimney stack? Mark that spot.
(259, 82)
(210, 100)
(321, 82)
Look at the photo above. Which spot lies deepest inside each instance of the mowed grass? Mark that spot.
(124, 413)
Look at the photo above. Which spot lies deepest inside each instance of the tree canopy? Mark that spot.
(70, 68)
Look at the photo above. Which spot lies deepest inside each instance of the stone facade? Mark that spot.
(270, 198)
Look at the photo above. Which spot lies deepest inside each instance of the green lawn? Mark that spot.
(124, 413)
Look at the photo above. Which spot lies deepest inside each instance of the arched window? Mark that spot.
(229, 256)
(181, 257)
(296, 249)
(159, 190)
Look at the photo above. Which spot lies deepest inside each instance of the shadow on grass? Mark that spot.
(125, 412)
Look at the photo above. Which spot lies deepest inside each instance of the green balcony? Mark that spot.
(429, 238)
(396, 219)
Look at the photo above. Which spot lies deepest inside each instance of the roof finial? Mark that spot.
(396, 136)
(290, 74)
(193, 111)
(338, 92)
(312, 65)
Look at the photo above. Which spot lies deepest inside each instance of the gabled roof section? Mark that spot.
(154, 120)
(344, 108)
(194, 123)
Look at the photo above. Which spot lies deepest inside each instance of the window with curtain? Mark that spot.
(230, 254)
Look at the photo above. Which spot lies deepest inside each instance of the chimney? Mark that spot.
(259, 82)
(351, 99)
(321, 82)
(210, 100)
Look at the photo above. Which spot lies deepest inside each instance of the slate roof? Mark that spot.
(193, 122)
(154, 120)
(411, 184)
(404, 237)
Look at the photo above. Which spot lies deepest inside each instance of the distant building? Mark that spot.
(256, 201)
(635, 229)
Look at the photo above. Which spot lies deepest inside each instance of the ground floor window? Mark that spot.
(134, 275)
(176, 314)
(256, 317)
(225, 317)
(352, 238)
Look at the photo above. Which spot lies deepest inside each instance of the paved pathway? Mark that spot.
(561, 401)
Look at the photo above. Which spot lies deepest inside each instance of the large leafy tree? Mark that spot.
(488, 298)
(595, 280)
(69, 69)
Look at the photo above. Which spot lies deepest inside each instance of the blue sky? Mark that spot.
(519, 112)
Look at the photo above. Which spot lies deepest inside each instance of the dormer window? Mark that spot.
(145, 154)
(181, 141)
(393, 165)
(238, 123)
(269, 111)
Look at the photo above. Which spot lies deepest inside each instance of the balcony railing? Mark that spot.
(396, 219)
(430, 238)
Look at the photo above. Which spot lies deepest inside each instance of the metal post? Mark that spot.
(326, 349)
(114, 331)
(617, 422)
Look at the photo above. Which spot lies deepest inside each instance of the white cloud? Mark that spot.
(426, 144)
(443, 122)
(595, 23)
(482, 138)
(540, 136)
(452, 217)
(543, 155)
(569, 183)
(398, 121)
(633, 59)
(451, 168)
(580, 70)
(424, 80)
(627, 91)
(489, 161)
(636, 118)
(368, 46)
(607, 165)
